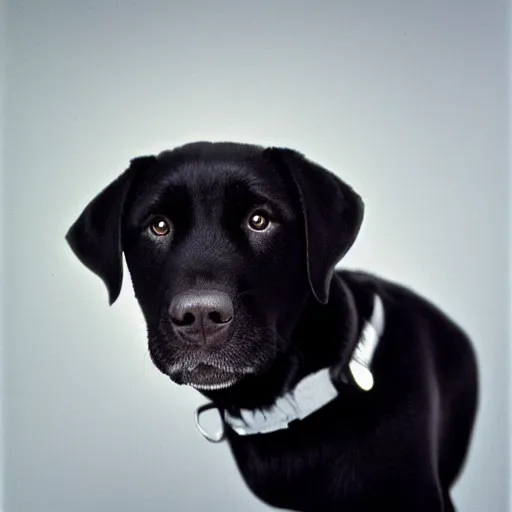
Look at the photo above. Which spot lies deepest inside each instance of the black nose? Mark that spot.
(201, 316)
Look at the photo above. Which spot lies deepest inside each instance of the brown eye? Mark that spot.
(259, 221)
(160, 226)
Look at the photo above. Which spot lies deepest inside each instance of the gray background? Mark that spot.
(406, 100)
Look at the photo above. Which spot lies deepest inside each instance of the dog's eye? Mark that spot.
(160, 226)
(259, 221)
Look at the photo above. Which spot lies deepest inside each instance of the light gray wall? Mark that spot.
(3, 57)
(509, 307)
(407, 101)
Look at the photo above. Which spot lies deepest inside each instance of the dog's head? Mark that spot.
(225, 243)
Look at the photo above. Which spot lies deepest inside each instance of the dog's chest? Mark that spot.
(295, 471)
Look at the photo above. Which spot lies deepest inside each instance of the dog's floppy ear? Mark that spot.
(332, 214)
(95, 237)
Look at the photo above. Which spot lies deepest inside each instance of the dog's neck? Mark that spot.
(340, 317)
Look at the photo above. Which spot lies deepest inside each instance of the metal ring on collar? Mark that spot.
(206, 407)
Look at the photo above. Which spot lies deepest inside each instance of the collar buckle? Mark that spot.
(212, 438)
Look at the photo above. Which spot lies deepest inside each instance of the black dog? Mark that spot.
(339, 390)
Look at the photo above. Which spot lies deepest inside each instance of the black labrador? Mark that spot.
(338, 390)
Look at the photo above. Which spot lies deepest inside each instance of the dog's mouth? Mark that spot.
(207, 377)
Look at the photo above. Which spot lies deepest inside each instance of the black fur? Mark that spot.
(398, 447)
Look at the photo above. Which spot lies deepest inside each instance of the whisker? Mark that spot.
(249, 291)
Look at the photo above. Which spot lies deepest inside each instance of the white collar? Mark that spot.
(311, 393)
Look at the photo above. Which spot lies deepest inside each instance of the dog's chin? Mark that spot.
(218, 368)
(208, 377)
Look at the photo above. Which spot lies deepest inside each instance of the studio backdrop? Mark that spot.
(406, 101)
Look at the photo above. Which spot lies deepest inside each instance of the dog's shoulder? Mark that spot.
(409, 315)
(401, 302)
(393, 294)
(363, 280)
(365, 285)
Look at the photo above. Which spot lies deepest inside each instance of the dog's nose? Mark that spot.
(202, 317)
